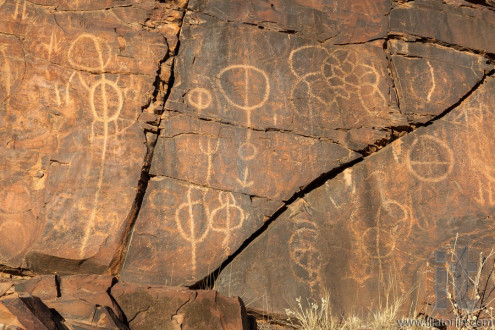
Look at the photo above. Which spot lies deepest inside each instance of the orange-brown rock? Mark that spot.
(74, 79)
(149, 307)
(338, 21)
(431, 78)
(274, 81)
(161, 141)
(460, 25)
(83, 301)
(381, 222)
(27, 312)
(98, 302)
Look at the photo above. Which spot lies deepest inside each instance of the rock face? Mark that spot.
(175, 308)
(288, 147)
(75, 80)
(97, 302)
(383, 218)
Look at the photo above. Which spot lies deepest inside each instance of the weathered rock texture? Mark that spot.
(75, 78)
(164, 142)
(150, 307)
(364, 227)
(97, 302)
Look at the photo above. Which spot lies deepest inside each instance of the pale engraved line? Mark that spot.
(6, 70)
(439, 145)
(209, 152)
(191, 238)
(105, 119)
(428, 98)
(246, 106)
(225, 203)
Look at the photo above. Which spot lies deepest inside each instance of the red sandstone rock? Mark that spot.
(149, 307)
(382, 220)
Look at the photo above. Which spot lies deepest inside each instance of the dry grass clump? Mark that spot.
(479, 314)
(319, 317)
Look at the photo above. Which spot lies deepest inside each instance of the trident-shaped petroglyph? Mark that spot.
(209, 150)
(54, 46)
(105, 101)
(17, 11)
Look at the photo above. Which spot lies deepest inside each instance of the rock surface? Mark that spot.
(97, 302)
(382, 219)
(75, 80)
(176, 308)
(294, 147)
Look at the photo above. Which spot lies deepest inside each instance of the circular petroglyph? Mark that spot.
(89, 44)
(304, 254)
(200, 98)
(244, 86)
(430, 159)
(378, 243)
(106, 100)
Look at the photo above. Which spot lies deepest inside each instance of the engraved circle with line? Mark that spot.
(228, 216)
(302, 250)
(430, 159)
(106, 101)
(392, 219)
(186, 218)
(244, 86)
(200, 98)
(89, 44)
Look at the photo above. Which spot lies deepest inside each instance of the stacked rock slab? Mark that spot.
(98, 302)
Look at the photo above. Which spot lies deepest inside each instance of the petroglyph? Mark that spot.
(333, 76)
(433, 84)
(247, 152)
(200, 98)
(486, 196)
(106, 102)
(6, 76)
(430, 159)
(305, 257)
(392, 221)
(226, 218)
(190, 212)
(20, 11)
(201, 214)
(245, 182)
(252, 93)
(55, 45)
(88, 42)
(209, 150)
